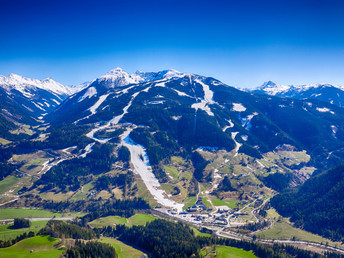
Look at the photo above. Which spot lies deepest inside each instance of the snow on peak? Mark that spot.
(24, 85)
(117, 77)
(272, 88)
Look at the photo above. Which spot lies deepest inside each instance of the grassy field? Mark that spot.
(7, 183)
(226, 251)
(122, 250)
(25, 129)
(42, 246)
(141, 219)
(109, 221)
(283, 230)
(231, 203)
(173, 172)
(198, 233)
(137, 219)
(6, 233)
(190, 202)
(10, 213)
(4, 141)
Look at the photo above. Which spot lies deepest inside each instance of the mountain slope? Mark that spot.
(199, 111)
(177, 130)
(26, 101)
(317, 205)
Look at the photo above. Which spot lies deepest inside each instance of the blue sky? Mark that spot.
(240, 42)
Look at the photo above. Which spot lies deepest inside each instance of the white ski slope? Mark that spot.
(142, 167)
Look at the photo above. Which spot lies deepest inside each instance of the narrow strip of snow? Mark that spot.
(180, 93)
(94, 108)
(237, 145)
(38, 106)
(142, 167)
(58, 103)
(208, 94)
(325, 110)
(45, 165)
(260, 163)
(88, 149)
(68, 149)
(231, 125)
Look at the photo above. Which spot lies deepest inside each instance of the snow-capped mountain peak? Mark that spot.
(272, 88)
(24, 85)
(117, 77)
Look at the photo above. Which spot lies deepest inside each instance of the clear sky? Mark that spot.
(241, 42)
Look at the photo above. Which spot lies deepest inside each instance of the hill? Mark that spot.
(317, 205)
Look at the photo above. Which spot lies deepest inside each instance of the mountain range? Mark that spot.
(333, 94)
(165, 137)
(194, 110)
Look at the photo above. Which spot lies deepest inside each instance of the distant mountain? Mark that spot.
(25, 100)
(333, 94)
(198, 111)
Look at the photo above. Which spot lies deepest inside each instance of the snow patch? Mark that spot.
(204, 106)
(325, 110)
(156, 102)
(244, 137)
(58, 103)
(238, 107)
(334, 129)
(88, 149)
(246, 121)
(91, 91)
(176, 117)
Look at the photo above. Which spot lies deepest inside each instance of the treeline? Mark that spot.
(90, 249)
(92, 205)
(61, 229)
(21, 223)
(280, 181)
(316, 206)
(8, 243)
(5, 168)
(199, 164)
(163, 238)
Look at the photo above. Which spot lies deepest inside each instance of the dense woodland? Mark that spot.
(317, 205)
(21, 223)
(90, 249)
(59, 229)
